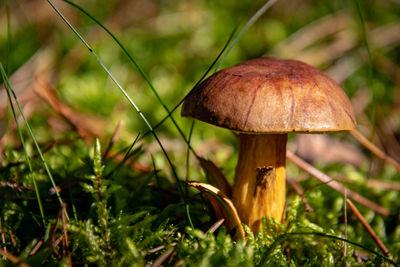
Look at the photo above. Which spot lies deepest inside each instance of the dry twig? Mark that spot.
(335, 185)
(14, 259)
(367, 227)
(163, 257)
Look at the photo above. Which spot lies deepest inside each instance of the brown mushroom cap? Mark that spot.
(268, 95)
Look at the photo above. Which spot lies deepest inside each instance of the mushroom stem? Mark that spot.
(259, 189)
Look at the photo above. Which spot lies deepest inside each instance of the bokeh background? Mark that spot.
(66, 95)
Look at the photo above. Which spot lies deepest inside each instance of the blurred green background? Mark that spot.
(175, 42)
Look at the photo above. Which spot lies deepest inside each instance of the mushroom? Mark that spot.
(262, 100)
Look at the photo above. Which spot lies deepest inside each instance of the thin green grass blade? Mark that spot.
(224, 52)
(33, 138)
(151, 130)
(126, 156)
(286, 236)
(74, 211)
(370, 67)
(7, 87)
(155, 171)
(172, 167)
(248, 24)
(145, 77)
(188, 153)
(198, 82)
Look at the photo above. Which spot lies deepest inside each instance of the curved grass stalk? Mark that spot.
(172, 167)
(224, 52)
(146, 78)
(233, 216)
(198, 82)
(248, 24)
(151, 129)
(144, 75)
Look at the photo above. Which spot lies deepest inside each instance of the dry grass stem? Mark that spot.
(216, 175)
(335, 185)
(374, 149)
(36, 248)
(219, 209)
(159, 261)
(367, 227)
(154, 250)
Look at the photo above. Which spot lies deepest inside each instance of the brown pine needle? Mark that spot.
(159, 261)
(299, 190)
(336, 185)
(374, 149)
(14, 259)
(156, 249)
(36, 248)
(367, 227)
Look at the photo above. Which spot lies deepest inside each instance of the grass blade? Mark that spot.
(126, 156)
(10, 90)
(224, 52)
(248, 24)
(7, 87)
(198, 82)
(172, 167)
(142, 73)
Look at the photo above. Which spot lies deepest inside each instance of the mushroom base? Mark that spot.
(259, 189)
